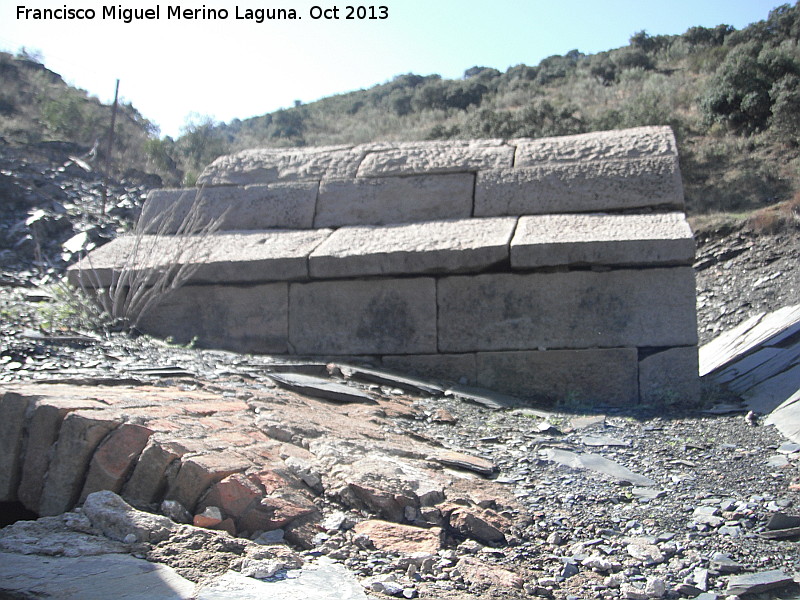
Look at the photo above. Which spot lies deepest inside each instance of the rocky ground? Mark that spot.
(589, 502)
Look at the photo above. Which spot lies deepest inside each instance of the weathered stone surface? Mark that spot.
(198, 473)
(281, 205)
(148, 480)
(42, 434)
(12, 428)
(670, 376)
(598, 239)
(402, 539)
(323, 580)
(467, 245)
(243, 318)
(379, 201)
(119, 521)
(436, 157)
(579, 187)
(114, 458)
(599, 145)
(625, 308)
(597, 376)
(387, 316)
(80, 434)
(239, 257)
(91, 578)
(448, 367)
(267, 165)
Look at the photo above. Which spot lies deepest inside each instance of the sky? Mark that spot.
(174, 70)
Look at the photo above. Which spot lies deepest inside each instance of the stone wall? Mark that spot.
(557, 269)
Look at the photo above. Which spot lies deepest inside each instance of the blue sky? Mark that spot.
(236, 68)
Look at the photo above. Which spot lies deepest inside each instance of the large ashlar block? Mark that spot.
(582, 309)
(588, 377)
(598, 239)
(268, 165)
(465, 245)
(231, 257)
(377, 201)
(386, 316)
(278, 205)
(600, 145)
(670, 376)
(241, 318)
(413, 158)
(458, 368)
(601, 185)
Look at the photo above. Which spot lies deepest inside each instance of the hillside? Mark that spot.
(732, 98)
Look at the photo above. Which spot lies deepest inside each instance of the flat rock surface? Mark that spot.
(223, 257)
(652, 239)
(466, 245)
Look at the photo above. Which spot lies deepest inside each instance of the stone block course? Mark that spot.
(384, 200)
(582, 377)
(654, 239)
(669, 376)
(568, 187)
(625, 308)
(412, 158)
(466, 245)
(599, 145)
(443, 257)
(263, 206)
(379, 316)
(246, 318)
(268, 165)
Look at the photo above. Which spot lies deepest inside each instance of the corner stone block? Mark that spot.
(268, 165)
(580, 187)
(282, 205)
(387, 316)
(379, 201)
(458, 368)
(13, 407)
(114, 458)
(80, 434)
(453, 246)
(579, 309)
(670, 376)
(600, 145)
(585, 377)
(598, 239)
(235, 317)
(415, 158)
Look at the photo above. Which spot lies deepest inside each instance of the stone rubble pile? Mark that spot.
(52, 203)
(418, 495)
(550, 269)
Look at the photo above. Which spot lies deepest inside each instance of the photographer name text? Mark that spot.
(127, 14)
